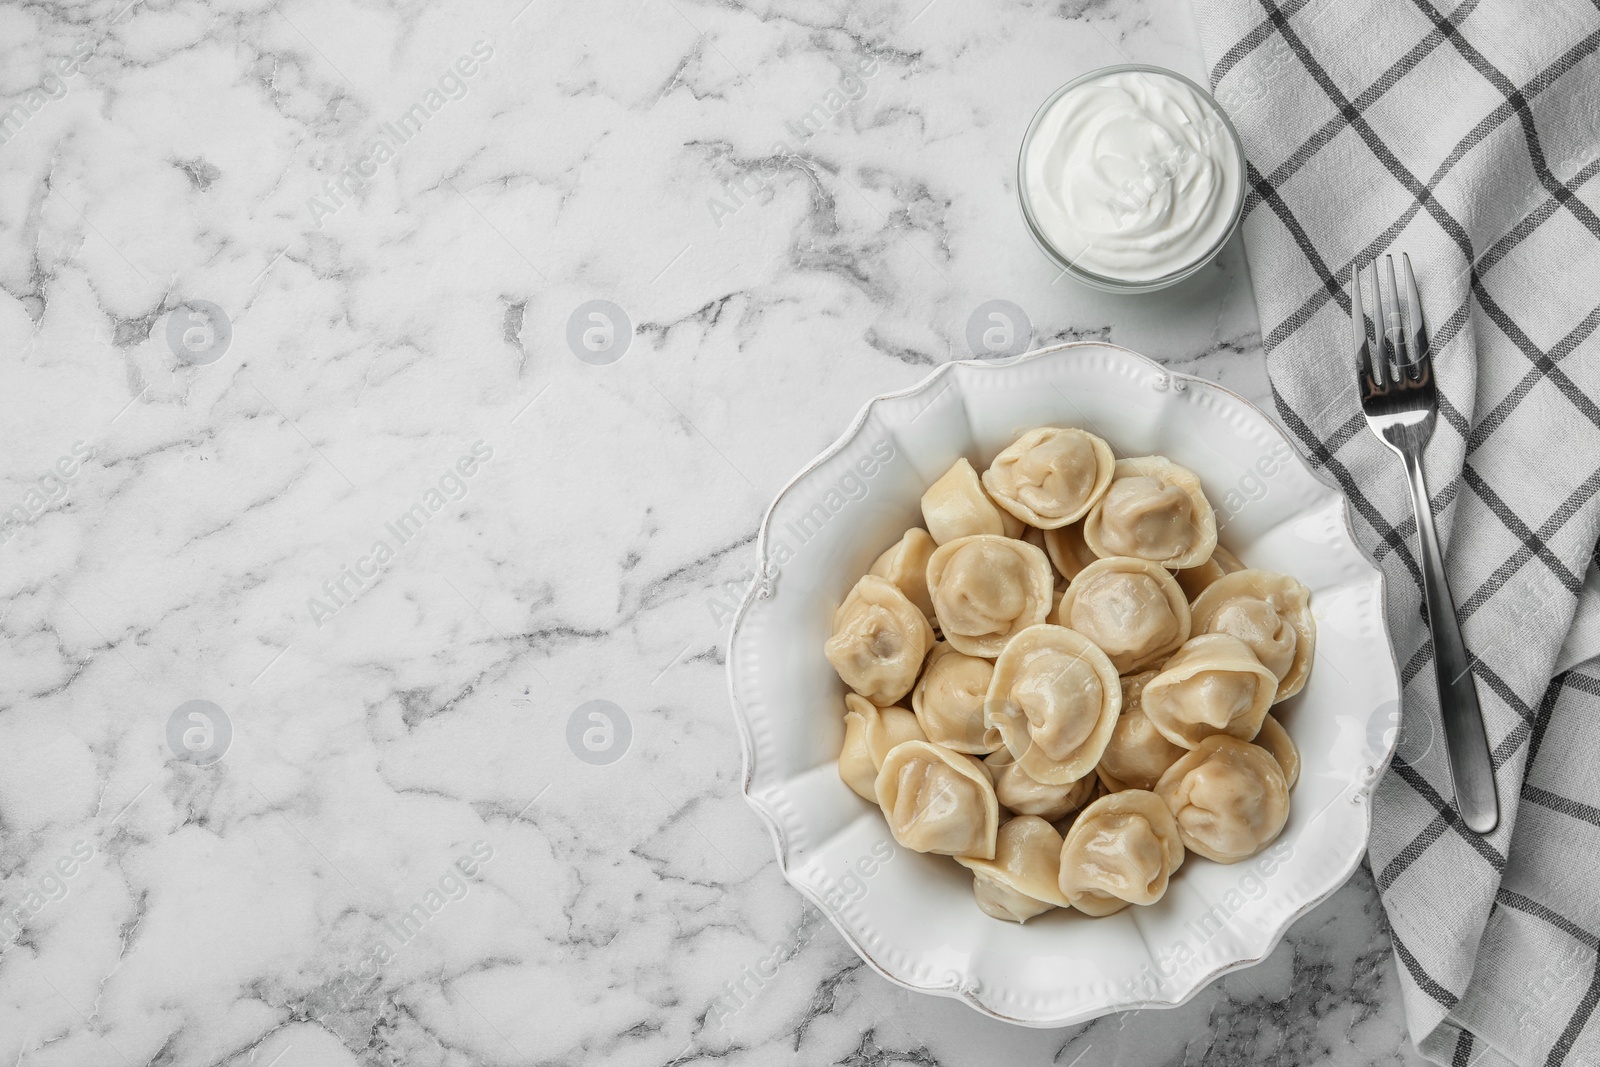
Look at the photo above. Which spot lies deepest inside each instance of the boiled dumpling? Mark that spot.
(1230, 798)
(1050, 476)
(1023, 879)
(1195, 580)
(985, 589)
(1067, 551)
(1131, 608)
(1054, 698)
(956, 506)
(1153, 510)
(1121, 850)
(938, 801)
(905, 563)
(1018, 792)
(1276, 740)
(949, 698)
(1269, 612)
(1212, 685)
(869, 733)
(879, 640)
(1137, 754)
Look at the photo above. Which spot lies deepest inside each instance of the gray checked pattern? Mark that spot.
(1468, 136)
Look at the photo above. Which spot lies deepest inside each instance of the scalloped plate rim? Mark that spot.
(1359, 792)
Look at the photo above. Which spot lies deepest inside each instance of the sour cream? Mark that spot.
(1133, 175)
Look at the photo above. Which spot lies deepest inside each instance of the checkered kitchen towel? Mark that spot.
(1469, 136)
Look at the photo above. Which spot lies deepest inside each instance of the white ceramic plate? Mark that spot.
(912, 917)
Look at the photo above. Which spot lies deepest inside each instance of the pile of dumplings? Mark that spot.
(1090, 679)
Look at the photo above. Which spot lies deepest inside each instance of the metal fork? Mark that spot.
(1401, 403)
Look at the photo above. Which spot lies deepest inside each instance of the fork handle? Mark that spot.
(1470, 765)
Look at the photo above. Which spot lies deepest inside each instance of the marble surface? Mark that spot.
(370, 509)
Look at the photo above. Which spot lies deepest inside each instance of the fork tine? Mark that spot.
(1416, 329)
(1358, 327)
(1394, 324)
(1380, 349)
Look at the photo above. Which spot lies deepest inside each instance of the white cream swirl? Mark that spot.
(1133, 176)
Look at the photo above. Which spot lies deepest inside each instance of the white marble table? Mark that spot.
(395, 533)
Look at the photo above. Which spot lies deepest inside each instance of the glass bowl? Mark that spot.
(1109, 283)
